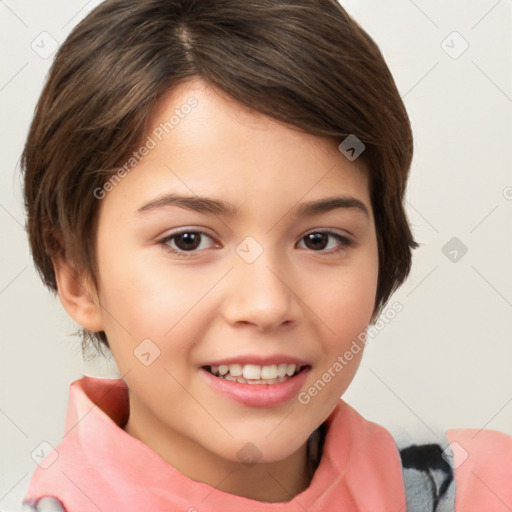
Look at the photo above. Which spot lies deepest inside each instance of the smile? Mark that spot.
(254, 385)
(255, 374)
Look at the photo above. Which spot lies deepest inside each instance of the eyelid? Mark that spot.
(330, 231)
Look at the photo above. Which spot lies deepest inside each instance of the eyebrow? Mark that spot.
(216, 207)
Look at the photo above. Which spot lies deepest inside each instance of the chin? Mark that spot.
(262, 448)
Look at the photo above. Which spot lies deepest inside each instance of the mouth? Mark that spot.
(255, 380)
(256, 374)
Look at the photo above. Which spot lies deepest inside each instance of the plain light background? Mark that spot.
(444, 360)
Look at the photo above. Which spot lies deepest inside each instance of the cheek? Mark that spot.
(349, 299)
(347, 306)
(150, 299)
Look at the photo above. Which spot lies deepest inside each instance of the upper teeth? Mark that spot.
(256, 372)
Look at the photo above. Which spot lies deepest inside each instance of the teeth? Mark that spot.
(241, 380)
(290, 370)
(235, 370)
(252, 372)
(269, 372)
(255, 374)
(281, 369)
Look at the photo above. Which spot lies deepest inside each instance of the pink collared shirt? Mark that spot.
(101, 467)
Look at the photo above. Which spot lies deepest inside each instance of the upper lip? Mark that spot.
(258, 360)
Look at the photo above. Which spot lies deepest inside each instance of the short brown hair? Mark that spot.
(306, 62)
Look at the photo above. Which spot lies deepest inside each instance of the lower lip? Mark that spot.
(258, 395)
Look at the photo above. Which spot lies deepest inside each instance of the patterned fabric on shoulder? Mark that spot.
(428, 473)
(44, 504)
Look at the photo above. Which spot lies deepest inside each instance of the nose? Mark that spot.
(261, 294)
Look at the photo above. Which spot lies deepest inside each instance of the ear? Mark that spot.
(78, 296)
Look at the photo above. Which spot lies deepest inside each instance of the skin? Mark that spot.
(295, 299)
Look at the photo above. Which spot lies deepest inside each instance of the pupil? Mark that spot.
(318, 240)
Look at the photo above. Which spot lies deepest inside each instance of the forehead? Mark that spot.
(206, 143)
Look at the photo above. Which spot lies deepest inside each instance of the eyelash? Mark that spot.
(345, 243)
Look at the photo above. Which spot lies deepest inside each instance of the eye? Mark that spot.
(186, 243)
(318, 241)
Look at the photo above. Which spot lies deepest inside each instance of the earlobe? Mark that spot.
(78, 296)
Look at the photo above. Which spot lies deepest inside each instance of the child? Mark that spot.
(215, 189)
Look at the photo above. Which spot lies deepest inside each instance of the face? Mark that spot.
(241, 245)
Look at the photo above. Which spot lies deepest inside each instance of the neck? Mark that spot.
(277, 481)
